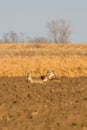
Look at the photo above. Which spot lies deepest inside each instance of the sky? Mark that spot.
(32, 16)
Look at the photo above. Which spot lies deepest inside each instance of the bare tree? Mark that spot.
(22, 37)
(11, 37)
(6, 37)
(59, 31)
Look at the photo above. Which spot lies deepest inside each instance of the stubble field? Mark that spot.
(59, 104)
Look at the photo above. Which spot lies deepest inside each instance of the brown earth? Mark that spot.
(59, 104)
(54, 105)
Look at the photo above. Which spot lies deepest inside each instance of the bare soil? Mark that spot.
(59, 104)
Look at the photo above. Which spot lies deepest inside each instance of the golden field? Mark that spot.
(64, 59)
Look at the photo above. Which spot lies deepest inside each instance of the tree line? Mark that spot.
(59, 31)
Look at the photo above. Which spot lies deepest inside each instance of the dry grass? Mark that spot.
(64, 59)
